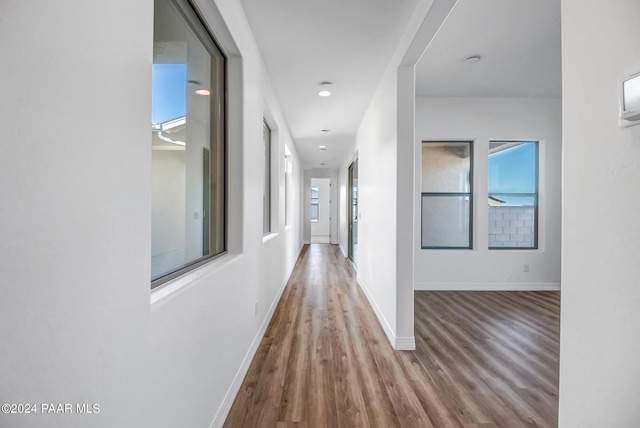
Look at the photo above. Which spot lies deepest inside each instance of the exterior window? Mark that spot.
(315, 211)
(188, 143)
(266, 217)
(288, 185)
(447, 194)
(513, 194)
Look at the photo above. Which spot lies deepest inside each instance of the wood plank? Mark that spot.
(482, 359)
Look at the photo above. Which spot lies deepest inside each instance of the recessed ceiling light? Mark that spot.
(324, 131)
(325, 89)
(204, 92)
(323, 148)
(322, 164)
(473, 59)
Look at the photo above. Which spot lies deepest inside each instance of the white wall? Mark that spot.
(323, 226)
(481, 120)
(600, 316)
(78, 321)
(75, 168)
(383, 142)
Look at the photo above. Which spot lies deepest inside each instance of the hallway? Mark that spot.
(325, 360)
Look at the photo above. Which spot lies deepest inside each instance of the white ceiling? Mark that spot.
(346, 42)
(518, 40)
(349, 43)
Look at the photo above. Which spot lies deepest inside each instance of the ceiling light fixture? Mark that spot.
(473, 59)
(322, 148)
(324, 131)
(204, 92)
(325, 89)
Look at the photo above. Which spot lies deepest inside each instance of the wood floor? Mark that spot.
(483, 359)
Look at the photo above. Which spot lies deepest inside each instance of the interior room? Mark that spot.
(166, 271)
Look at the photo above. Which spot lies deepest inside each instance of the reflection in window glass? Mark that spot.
(513, 194)
(188, 147)
(446, 194)
(266, 195)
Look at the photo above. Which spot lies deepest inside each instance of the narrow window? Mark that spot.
(266, 217)
(315, 207)
(513, 195)
(446, 194)
(288, 185)
(188, 143)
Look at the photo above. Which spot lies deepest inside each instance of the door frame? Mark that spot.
(353, 166)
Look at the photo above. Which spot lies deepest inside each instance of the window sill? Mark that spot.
(176, 285)
(269, 237)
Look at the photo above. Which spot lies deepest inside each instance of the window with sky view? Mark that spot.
(513, 194)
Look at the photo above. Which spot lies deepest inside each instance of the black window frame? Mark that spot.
(468, 194)
(534, 195)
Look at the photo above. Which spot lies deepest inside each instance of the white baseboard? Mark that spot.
(405, 344)
(486, 286)
(343, 251)
(232, 392)
(398, 343)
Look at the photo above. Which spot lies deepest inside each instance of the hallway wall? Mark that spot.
(600, 320)
(382, 191)
(204, 333)
(79, 323)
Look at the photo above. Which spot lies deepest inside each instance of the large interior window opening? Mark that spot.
(188, 143)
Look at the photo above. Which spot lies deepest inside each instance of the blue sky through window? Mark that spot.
(513, 171)
(168, 92)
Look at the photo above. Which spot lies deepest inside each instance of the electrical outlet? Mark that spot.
(525, 268)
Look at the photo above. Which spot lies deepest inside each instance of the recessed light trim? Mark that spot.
(323, 148)
(325, 89)
(203, 92)
(324, 131)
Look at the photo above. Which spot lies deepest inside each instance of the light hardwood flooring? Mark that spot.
(483, 359)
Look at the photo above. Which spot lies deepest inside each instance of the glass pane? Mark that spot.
(512, 167)
(266, 217)
(314, 212)
(446, 167)
(445, 221)
(188, 171)
(288, 187)
(512, 221)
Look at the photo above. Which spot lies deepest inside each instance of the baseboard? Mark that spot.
(343, 251)
(405, 344)
(486, 286)
(232, 392)
(398, 343)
